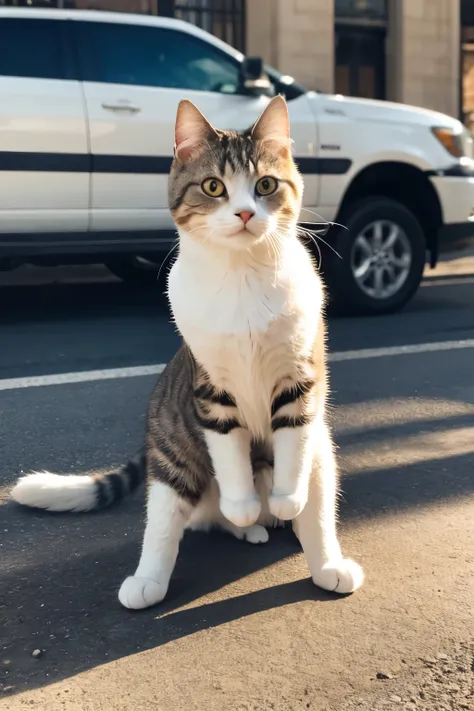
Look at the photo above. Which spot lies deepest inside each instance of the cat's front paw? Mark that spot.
(343, 576)
(242, 513)
(138, 593)
(286, 507)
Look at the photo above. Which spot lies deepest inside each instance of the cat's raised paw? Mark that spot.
(241, 513)
(343, 576)
(138, 593)
(286, 507)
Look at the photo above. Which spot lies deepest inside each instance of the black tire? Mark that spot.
(346, 296)
(134, 270)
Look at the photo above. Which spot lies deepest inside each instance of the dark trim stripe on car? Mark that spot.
(45, 162)
(142, 165)
(458, 170)
(99, 243)
(323, 166)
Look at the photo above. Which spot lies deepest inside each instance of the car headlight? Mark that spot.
(458, 144)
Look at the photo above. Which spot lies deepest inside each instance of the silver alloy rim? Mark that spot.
(381, 259)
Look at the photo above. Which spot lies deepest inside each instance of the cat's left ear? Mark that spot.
(274, 125)
(192, 131)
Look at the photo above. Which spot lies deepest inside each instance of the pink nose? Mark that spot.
(245, 215)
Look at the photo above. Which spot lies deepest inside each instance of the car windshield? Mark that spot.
(285, 84)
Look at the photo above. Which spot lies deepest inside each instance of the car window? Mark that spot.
(154, 56)
(31, 48)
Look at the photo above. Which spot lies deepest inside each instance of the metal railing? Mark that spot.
(223, 18)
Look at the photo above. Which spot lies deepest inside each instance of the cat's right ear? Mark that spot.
(192, 131)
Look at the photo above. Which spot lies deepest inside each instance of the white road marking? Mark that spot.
(400, 350)
(84, 376)
(87, 376)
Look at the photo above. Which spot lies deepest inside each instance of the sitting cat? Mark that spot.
(236, 434)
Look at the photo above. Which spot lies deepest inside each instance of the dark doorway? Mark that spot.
(360, 62)
(361, 27)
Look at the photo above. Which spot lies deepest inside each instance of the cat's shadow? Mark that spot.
(226, 561)
(71, 611)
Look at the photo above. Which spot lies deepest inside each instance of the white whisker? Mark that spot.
(326, 222)
(275, 241)
(309, 235)
(313, 236)
(196, 229)
(175, 246)
(314, 213)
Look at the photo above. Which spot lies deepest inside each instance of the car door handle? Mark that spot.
(121, 106)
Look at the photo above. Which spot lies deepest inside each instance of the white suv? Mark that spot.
(87, 107)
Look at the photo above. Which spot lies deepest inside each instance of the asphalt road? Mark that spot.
(242, 627)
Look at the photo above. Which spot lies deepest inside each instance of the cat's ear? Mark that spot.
(274, 125)
(192, 130)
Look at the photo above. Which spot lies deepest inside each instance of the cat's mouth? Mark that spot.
(241, 232)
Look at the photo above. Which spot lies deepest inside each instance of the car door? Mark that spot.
(134, 77)
(44, 161)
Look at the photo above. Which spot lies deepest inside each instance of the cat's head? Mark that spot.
(234, 189)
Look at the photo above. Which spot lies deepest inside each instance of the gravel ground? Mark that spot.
(444, 683)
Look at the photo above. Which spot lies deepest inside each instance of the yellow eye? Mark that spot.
(266, 186)
(213, 187)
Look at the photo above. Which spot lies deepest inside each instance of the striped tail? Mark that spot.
(55, 492)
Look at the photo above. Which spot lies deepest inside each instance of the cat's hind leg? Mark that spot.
(253, 534)
(208, 515)
(315, 526)
(167, 515)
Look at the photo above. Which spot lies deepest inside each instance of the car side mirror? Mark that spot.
(254, 80)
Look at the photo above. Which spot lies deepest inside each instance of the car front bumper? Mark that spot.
(456, 196)
(455, 235)
(455, 189)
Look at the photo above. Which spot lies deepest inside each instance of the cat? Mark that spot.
(236, 434)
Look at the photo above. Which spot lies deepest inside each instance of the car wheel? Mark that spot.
(137, 271)
(382, 258)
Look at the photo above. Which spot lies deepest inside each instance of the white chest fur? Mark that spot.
(247, 323)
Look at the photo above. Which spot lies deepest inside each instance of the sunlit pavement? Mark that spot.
(242, 627)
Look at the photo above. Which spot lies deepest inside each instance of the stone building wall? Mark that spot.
(295, 36)
(427, 55)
